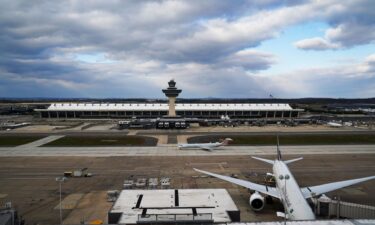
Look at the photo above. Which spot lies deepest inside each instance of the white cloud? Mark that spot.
(351, 81)
(315, 44)
(351, 23)
(249, 59)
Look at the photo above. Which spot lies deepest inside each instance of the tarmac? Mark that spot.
(172, 150)
(29, 182)
(28, 172)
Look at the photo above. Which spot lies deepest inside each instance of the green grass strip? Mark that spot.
(102, 141)
(11, 141)
(311, 139)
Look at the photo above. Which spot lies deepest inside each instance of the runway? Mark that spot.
(172, 150)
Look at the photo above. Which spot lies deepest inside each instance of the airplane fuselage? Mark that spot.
(332, 124)
(295, 204)
(202, 145)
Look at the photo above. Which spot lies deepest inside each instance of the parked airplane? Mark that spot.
(206, 146)
(333, 124)
(12, 125)
(287, 190)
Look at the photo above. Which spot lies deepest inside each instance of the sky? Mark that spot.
(212, 48)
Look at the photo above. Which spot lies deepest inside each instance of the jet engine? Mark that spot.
(256, 201)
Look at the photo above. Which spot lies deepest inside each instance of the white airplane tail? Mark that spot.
(278, 156)
(226, 141)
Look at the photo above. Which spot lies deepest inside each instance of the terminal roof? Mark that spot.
(162, 202)
(164, 106)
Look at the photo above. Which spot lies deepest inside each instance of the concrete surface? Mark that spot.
(89, 208)
(69, 202)
(172, 150)
(101, 127)
(29, 182)
(40, 142)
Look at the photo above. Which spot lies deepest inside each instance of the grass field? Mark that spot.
(102, 141)
(303, 139)
(11, 141)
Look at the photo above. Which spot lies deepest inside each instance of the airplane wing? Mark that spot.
(309, 192)
(247, 184)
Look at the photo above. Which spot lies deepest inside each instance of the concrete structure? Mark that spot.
(172, 92)
(328, 208)
(155, 110)
(311, 222)
(169, 110)
(174, 206)
(9, 216)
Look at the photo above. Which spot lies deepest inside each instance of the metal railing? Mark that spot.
(165, 218)
(341, 209)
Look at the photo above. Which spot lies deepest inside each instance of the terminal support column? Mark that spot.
(172, 108)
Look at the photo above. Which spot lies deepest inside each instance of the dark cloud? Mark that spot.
(40, 41)
(48, 44)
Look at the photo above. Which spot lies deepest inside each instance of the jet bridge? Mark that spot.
(329, 208)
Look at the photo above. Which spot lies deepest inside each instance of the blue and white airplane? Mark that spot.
(287, 190)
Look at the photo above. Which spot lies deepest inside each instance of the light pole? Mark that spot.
(286, 177)
(60, 180)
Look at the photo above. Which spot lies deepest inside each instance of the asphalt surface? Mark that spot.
(29, 182)
(172, 150)
(183, 132)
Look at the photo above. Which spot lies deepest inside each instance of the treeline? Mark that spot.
(199, 100)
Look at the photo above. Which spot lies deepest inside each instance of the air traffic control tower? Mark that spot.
(172, 92)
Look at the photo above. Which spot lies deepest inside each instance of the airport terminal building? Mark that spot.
(170, 109)
(157, 110)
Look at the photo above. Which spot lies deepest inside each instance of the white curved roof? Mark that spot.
(164, 106)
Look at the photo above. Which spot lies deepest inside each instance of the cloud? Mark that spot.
(350, 81)
(351, 23)
(131, 48)
(315, 44)
(352, 34)
(249, 60)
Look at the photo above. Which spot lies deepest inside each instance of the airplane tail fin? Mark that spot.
(278, 149)
(279, 154)
(226, 141)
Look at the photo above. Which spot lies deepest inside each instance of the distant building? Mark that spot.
(155, 110)
(170, 109)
